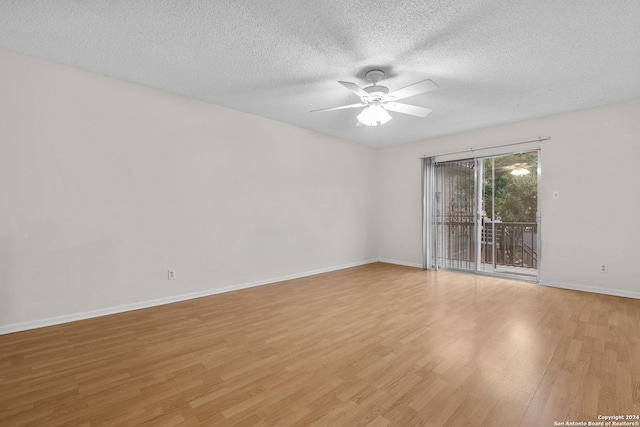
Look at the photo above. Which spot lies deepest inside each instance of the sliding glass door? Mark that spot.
(483, 215)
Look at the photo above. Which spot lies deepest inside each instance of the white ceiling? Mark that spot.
(495, 61)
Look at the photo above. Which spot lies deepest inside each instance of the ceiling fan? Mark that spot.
(378, 101)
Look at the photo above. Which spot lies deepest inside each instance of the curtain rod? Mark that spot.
(539, 139)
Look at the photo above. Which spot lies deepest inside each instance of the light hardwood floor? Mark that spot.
(374, 345)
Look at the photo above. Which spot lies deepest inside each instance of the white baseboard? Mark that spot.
(593, 289)
(17, 327)
(395, 261)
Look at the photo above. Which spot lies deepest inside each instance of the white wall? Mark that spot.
(104, 185)
(592, 160)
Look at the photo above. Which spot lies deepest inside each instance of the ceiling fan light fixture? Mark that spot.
(520, 172)
(374, 115)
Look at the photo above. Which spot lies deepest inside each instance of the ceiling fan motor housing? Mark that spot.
(377, 91)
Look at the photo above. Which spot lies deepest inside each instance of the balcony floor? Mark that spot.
(509, 269)
(488, 268)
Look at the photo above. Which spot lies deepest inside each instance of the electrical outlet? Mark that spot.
(171, 274)
(604, 268)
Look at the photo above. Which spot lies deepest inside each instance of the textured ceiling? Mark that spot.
(495, 61)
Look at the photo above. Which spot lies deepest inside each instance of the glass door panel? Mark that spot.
(454, 216)
(509, 206)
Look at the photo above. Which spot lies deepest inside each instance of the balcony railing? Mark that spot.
(516, 244)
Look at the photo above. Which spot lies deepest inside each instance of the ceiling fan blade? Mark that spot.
(355, 89)
(412, 110)
(362, 104)
(414, 89)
